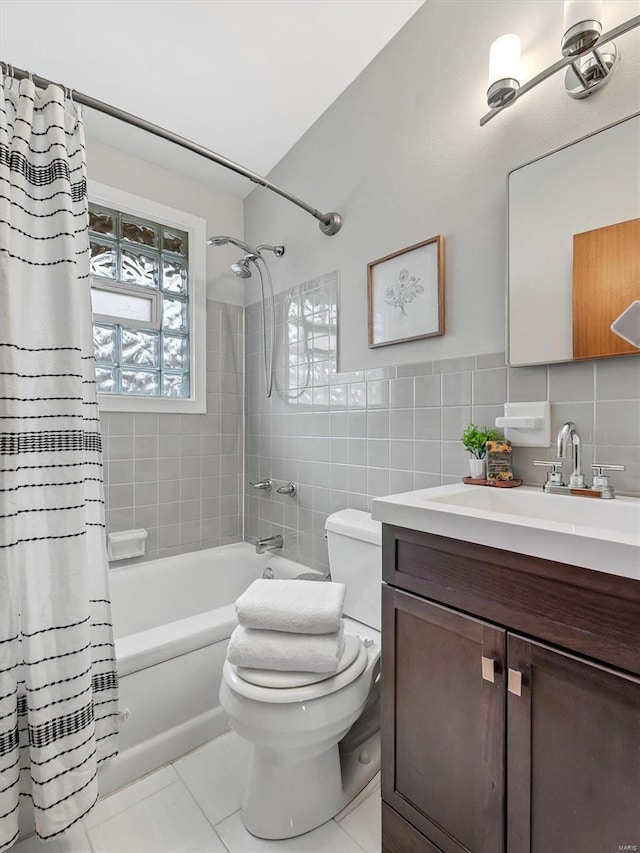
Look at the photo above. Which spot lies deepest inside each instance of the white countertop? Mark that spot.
(592, 533)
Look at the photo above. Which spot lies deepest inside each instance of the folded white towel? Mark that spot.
(285, 651)
(300, 607)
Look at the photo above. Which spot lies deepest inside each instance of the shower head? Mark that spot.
(241, 268)
(278, 251)
(222, 241)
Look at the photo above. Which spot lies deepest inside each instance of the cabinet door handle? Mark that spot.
(488, 669)
(514, 682)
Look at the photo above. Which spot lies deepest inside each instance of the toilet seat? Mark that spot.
(280, 695)
(285, 679)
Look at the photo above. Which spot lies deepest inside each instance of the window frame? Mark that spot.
(195, 226)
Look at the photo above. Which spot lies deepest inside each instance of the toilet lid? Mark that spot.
(278, 679)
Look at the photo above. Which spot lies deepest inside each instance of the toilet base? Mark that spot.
(283, 799)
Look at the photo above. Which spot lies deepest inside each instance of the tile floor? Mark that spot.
(192, 806)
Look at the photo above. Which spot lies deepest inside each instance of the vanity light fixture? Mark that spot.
(504, 70)
(589, 57)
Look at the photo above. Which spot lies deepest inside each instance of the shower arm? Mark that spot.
(329, 223)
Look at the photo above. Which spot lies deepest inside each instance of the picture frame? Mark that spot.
(405, 293)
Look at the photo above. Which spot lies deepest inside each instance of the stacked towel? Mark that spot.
(301, 607)
(289, 625)
(280, 650)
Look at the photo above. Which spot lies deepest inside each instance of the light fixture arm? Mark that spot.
(563, 62)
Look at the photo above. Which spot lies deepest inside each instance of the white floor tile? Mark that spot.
(328, 838)
(74, 840)
(129, 796)
(372, 788)
(215, 774)
(364, 824)
(166, 822)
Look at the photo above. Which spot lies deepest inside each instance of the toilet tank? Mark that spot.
(355, 559)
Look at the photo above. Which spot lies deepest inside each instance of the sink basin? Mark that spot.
(603, 535)
(618, 516)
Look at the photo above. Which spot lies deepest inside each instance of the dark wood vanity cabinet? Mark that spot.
(511, 702)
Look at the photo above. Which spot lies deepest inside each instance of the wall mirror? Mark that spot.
(574, 250)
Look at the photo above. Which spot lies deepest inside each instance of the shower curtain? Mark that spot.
(58, 679)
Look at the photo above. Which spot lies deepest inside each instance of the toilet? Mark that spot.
(316, 738)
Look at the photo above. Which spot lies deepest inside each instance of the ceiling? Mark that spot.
(245, 78)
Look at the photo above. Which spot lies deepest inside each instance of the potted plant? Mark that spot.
(475, 439)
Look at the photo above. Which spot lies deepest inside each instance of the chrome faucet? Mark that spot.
(270, 543)
(569, 433)
(554, 484)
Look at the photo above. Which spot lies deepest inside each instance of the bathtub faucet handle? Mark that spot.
(288, 489)
(266, 485)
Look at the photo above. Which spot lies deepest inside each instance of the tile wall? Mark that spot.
(180, 476)
(345, 438)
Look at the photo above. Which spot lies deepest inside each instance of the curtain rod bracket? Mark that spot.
(330, 224)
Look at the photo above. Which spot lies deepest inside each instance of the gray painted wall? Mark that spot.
(401, 155)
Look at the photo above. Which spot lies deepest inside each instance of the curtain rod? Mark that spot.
(329, 223)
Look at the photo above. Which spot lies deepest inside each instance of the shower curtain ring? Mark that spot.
(10, 74)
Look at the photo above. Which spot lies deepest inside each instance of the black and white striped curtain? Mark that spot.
(58, 679)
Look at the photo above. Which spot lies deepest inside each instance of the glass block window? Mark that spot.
(131, 259)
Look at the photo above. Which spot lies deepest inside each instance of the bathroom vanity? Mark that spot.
(511, 690)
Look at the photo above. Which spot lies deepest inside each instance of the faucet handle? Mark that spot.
(266, 484)
(553, 476)
(599, 467)
(601, 481)
(288, 489)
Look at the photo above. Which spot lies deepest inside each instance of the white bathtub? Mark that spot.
(172, 621)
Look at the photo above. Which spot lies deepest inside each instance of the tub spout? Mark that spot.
(270, 543)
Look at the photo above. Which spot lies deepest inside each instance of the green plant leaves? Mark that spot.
(475, 439)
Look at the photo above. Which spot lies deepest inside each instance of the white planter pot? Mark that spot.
(477, 468)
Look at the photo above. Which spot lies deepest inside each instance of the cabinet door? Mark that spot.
(443, 723)
(573, 753)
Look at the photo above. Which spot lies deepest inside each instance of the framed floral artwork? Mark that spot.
(406, 294)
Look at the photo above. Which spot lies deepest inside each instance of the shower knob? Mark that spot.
(289, 489)
(265, 485)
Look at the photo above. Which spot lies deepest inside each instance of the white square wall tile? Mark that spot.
(328, 838)
(166, 822)
(364, 824)
(129, 796)
(215, 775)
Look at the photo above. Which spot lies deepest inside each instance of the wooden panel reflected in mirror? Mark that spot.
(606, 283)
